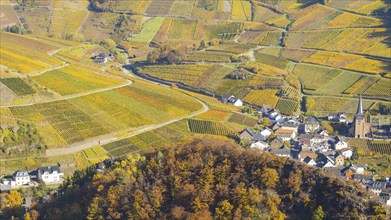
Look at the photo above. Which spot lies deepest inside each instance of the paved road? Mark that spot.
(111, 138)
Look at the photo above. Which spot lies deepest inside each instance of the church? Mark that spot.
(361, 127)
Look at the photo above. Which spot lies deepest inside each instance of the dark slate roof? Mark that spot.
(257, 137)
(379, 185)
(49, 169)
(101, 55)
(312, 120)
(307, 159)
(21, 173)
(361, 177)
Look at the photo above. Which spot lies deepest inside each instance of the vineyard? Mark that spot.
(71, 80)
(182, 29)
(366, 146)
(162, 136)
(90, 156)
(24, 54)
(243, 120)
(208, 127)
(265, 38)
(209, 56)
(214, 115)
(271, 60)
(241, 10)
(89, 116)
(213, 77)
(231, 48)
(287, 106)
(18, 85)
(262, 97)
(66, 21)
(186, 74)
(157, 7)
(313, 77)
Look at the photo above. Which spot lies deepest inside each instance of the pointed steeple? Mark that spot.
(359, 110)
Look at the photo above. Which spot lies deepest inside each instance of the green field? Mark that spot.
(18, 85)
(148, 31)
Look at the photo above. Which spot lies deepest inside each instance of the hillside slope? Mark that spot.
(208, 178)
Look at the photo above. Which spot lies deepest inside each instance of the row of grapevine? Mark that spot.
(208, 127)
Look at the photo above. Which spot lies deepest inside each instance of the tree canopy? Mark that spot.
(208, 178)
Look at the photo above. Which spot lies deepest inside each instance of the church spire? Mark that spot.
(359, 110)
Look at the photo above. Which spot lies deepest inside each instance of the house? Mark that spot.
(339, 144)
(364, 179)
(281, 152)
(385, 197)
(265, 133)
(50, 174)
(276, 143)
(238, 103)
(246, 135)
(338, 159)
(325, 164)
(376, 186)
(20, 177)
(311, 124)
(359, 168)
(323, 133)
(101, 58)
(290, 125)
(274, 114)
(226, 97)
(309, 161)
(285, 134)
(347, 153)
(337, 117)
(261, 145)
(305, 154)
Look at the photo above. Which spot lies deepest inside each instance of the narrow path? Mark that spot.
(47, 70)
(111, 138)
(82, 23)
(128, 82)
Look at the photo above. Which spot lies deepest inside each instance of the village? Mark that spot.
(306, 141)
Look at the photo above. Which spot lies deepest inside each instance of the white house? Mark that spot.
(265, 134)
(347, 153)
(285, 134)
(20, 177)
(259, 145)
(386, 198)
(238, 102)
(50, 174)
(340, 144)
(377, 187)
(359, 168)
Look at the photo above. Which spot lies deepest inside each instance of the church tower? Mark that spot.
(359, 121)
